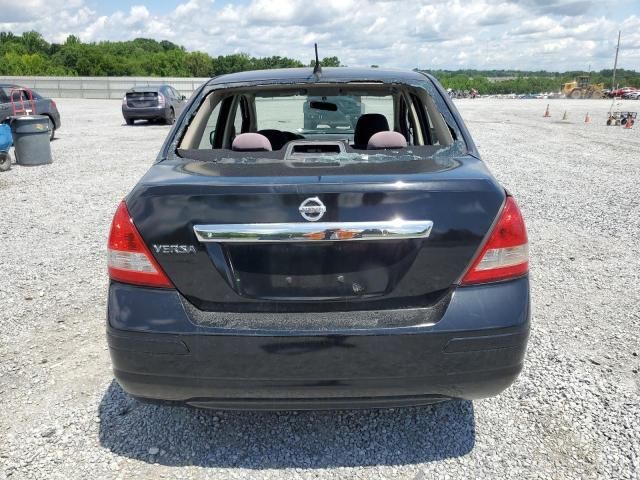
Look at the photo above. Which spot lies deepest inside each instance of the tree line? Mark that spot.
(29, 54)
(516, 81)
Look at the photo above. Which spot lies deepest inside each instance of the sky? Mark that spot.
(554, 35)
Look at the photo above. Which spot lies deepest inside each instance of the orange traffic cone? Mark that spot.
(546, 112)
(587, 118)
(629, 122)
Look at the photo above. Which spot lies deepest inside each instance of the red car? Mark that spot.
(621, 91)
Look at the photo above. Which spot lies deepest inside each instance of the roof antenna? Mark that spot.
(317, 69)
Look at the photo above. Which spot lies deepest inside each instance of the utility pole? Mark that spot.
(613, 81)
(615, 64)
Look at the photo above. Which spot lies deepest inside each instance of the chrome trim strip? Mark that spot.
(397, 229)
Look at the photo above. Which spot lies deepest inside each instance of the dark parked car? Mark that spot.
(262, 265)
(162, 103)
(17, 100)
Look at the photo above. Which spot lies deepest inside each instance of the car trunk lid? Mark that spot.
(351, 258)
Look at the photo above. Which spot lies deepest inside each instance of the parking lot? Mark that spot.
(573, 413)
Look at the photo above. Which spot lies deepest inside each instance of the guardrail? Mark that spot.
(99, 87)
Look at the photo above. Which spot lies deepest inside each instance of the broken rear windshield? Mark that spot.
(316, 124)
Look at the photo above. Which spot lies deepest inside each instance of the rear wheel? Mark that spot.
(129, 121)
(5, 161)
(575, 94)
(52, 129)
(171, 117)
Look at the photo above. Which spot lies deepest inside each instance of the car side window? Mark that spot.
(206, 142)
(4, 96)
(431, 131)
(237, 121)
(425, 122)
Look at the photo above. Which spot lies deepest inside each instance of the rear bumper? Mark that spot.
(475, 350)
(142, 113)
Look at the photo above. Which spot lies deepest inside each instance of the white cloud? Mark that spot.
(524, 34)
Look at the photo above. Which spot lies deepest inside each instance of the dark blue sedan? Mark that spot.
(268, 262)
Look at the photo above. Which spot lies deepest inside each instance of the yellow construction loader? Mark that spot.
(582, 87)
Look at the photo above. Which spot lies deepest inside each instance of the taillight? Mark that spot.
(128, 258)
(124, 100)
(161, 100)
(506, 253)
(53, 104)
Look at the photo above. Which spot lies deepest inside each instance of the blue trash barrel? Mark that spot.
(6, 140)
(5, 144)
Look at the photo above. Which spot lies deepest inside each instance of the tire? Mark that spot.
(129, 121)
(171, 118)
(52, 129)
(575, 94)
(5, 161)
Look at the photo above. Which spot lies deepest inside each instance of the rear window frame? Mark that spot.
(446, 108)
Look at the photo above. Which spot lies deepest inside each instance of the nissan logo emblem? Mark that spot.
(312, 209)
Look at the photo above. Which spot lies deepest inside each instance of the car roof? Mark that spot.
(151, 88)
(328, 74)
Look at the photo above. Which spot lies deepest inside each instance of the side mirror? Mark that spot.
(212, 136)
(183, 97)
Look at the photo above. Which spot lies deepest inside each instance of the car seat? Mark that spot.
(368, 125)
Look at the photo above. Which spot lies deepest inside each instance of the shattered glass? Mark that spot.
(442, 157)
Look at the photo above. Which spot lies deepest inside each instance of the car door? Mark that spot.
(168, 93)
(178, 102)
(42, 105)
(175, 100)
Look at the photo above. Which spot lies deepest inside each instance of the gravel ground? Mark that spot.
(573, 413)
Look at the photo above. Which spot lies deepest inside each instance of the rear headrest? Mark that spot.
(382, 140)
(251, 142)
(276, 138)
(368, 124)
